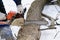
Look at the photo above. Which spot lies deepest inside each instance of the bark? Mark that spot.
(31, 31)
(34, 13)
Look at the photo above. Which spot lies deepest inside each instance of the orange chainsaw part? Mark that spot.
(10, 15)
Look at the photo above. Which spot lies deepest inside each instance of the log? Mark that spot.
(31, 31)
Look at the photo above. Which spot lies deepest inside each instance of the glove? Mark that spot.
(20, 9)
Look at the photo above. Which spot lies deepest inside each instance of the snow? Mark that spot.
(53, 0)
(51, 10)
(9, 6)
(15, 30)
(53, 34)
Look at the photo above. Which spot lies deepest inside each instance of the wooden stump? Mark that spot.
(30, 31)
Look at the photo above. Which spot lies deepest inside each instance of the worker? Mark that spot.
(7, 11)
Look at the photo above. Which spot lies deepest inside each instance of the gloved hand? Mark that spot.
(20, 9)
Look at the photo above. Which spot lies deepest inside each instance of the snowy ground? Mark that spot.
(53, 34)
